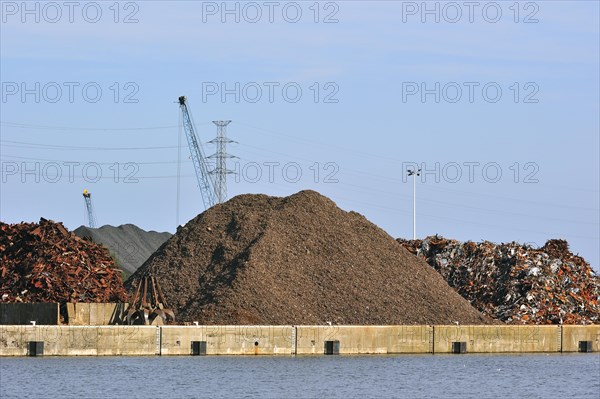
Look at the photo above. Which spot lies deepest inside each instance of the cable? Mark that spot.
(21, 144)
(9, 157)
(45, 127)
(71, 128)
(343, 171)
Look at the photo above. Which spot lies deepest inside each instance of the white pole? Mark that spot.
(415, 206)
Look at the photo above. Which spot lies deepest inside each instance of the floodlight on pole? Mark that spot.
(414, 173)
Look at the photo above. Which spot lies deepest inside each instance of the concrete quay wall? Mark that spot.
(311, 340)
(80, 340)
(573, 335)
(228, 340)
(498, 339)
(57, 340)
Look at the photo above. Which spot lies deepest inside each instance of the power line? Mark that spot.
(22, 144)
(8, 157)
(70, 128)
(345, 170)
(260, 130)
(350, 172)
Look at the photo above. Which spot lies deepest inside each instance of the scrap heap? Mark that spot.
(46, 263)
(516, 283)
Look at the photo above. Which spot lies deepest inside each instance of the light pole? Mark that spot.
(414, 173)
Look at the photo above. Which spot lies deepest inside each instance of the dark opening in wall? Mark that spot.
(459, 347)
(585, 346)
(36, 348)
(198, 348)
(332, 347)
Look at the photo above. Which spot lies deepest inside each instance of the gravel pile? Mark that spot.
(130, 245)
(298, 260)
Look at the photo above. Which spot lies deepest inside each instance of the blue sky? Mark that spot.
(519, 164)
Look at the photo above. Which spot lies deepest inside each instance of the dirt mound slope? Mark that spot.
(517, 283)
(130, 245)
(46, 263)
(297, 260)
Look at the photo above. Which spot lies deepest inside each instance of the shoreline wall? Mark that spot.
(53, 340)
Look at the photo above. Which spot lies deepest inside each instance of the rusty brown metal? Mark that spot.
(44, 262)
(145, 308)
(131, 308)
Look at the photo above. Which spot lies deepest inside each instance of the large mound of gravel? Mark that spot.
(298, 260)
(130, 245)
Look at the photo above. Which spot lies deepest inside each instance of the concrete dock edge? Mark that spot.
(57, 340)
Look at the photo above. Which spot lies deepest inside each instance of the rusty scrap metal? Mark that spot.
(46, 263)
(516, 283)
(149, 305)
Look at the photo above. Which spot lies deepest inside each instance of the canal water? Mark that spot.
(418, 376)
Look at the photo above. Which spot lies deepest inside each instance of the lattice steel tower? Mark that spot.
(220, 171)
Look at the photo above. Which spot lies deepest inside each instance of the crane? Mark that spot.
(87, 197)
(205, 180)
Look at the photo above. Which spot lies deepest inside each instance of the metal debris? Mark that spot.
(148, 303)
(46, 263)
(516, 283)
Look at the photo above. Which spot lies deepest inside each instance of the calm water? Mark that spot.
(464, 376)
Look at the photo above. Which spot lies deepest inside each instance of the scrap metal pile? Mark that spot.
(516, 283)
(46, 263)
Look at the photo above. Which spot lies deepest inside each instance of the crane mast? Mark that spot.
(87, 197)
(205, 182)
